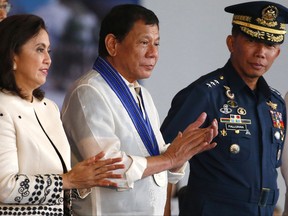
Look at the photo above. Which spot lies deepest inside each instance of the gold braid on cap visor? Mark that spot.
(261, 32)
(260, 28)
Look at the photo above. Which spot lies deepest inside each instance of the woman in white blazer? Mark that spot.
(35, 176)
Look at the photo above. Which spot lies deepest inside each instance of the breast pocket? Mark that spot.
(234, 148)
(276, 146)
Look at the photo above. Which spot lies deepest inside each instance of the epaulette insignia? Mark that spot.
(274, 90)
(212, 83)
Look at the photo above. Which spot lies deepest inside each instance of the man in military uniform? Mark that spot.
(239, 176)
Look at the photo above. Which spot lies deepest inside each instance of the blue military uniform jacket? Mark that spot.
(238, 176)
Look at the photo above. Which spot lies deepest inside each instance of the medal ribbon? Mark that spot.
(122, 91)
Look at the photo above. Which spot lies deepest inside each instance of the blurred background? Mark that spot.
(193, 43)
(73, 27)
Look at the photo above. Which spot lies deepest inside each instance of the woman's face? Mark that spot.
(32, 63)
(3, 9)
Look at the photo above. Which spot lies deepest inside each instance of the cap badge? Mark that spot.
(270, 13)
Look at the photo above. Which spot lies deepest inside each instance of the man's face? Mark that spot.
(3, 9)
(250, 57)
(137, 54)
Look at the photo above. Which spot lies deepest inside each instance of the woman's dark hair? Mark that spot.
(15, 31)
(120, 20)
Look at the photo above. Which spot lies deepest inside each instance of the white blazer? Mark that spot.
(30, 166)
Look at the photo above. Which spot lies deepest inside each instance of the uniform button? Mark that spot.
(234, 148)
(277, 135)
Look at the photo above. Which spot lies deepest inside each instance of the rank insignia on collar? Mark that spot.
(272, 105)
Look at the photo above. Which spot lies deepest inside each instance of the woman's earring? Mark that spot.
(14, 67)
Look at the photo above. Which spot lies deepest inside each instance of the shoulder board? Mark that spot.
(213, 82)
(277, 94)
(275, 91)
